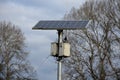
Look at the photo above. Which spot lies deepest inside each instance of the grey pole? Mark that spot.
(59, 70)
(59, 76)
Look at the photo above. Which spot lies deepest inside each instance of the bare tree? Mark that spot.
(13, 62)
(96, 50)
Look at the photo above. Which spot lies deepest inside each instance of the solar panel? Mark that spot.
(60, 25)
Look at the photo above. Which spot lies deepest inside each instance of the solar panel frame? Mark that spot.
(60, 25)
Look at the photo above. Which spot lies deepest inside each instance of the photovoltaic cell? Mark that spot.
(60, 25)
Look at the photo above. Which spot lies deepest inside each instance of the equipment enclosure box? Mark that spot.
(54, 49)
(64, 49)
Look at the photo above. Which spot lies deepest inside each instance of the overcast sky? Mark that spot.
(25, 14)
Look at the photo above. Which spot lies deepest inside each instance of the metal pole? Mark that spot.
(59, 76)
(59, 70)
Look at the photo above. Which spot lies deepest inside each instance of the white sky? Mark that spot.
(25, 14)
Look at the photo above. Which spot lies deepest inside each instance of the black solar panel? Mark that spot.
(60, 25)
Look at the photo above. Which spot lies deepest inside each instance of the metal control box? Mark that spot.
(54, 49)
(64, 49)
